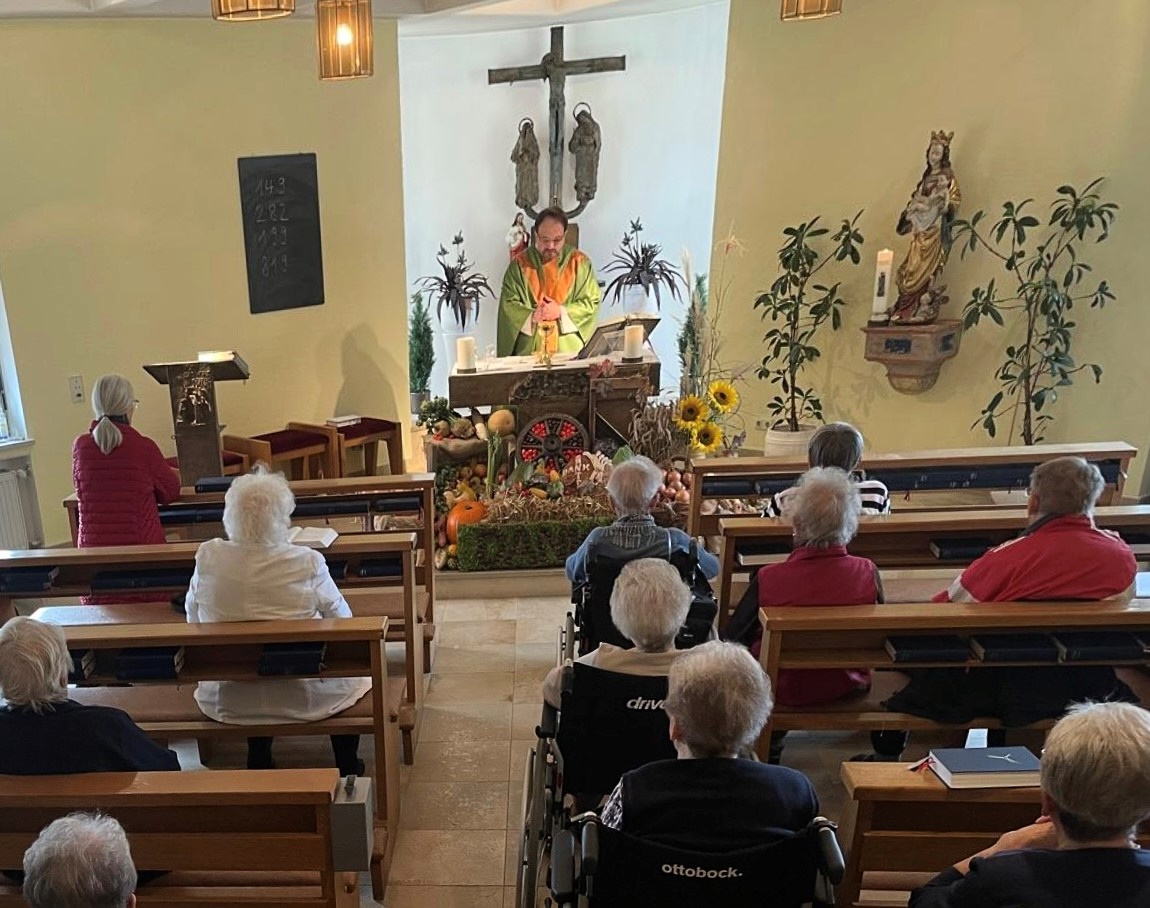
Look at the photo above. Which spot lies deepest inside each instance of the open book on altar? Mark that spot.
(608, 336)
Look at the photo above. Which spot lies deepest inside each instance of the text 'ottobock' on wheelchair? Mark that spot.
(609, 724)
(593, 866)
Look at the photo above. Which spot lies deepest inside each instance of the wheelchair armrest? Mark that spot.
(590, 852)
(830, 856)
(548, 725)
(563, 867)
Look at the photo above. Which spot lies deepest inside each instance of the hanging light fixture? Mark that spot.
(344, 38)
(810, 9)
(248, 10)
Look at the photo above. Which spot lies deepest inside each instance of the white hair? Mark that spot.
(719, 697)
(649, 603)
(1096, 769)
(34, 664)
(632, 485)
(258, 508)
(1066, 485)
(112, 396)
(80, 861)
(826, 508)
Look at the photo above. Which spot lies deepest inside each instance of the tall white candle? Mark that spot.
(882, 283)
(465, 354)
(633, 342)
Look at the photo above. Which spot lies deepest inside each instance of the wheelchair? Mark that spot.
(590, 624)
(605, 868)
(609, 724)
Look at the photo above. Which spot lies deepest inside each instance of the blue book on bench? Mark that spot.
(27, 579)
(1086, 646)
(380, 568)
(927, 648)
(148, 663)
(960, 548)
(292, 658)
(214, 484)
(1014, 647)
(165, 578)
(985, 767)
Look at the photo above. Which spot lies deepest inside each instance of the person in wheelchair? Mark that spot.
(649, 603)
(710, 799)
(634, 487)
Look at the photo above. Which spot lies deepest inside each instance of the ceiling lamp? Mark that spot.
(249, 10)
(343, 33)
(810, 9)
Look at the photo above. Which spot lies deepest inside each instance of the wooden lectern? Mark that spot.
(192, 392)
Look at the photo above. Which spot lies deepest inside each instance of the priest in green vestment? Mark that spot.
(548, 287)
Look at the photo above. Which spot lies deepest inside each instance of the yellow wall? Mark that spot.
(120, 234)
(830, 116)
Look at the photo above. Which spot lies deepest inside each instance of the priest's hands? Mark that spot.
(547, 311)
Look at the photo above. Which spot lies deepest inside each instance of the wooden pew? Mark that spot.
(229, 651)
(919, 472)
(911, 825)
(902, 540)
(388, 590)
(239, 838)
(853, 636)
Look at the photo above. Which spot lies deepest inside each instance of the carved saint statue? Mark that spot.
(525, 157)
(927, 218)
(586, 143)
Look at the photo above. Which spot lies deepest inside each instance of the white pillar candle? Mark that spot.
(465, 354)
(882, 283)
(633, 342)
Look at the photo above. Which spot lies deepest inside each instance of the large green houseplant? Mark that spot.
(1045, 277)
(420, 353)
(797, 306)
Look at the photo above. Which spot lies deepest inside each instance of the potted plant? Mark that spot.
(420, 353)
(802, 306)
(459, 287)
(637, 267)
(1045, 277)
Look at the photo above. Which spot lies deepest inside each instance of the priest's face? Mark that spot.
(549, 236)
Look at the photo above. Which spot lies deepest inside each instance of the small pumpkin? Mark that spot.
(501, 422)
(463, 513)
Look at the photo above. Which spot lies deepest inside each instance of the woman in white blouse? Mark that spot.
(257, 574)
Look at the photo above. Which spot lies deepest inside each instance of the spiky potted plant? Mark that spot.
(639, 272)
(802, 305)
(420, 353)
(459, 287)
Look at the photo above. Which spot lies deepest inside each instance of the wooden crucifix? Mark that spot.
(555, 69)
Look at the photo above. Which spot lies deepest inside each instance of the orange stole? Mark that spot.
(552, 283)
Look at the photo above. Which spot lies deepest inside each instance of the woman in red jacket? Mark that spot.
(120, 475)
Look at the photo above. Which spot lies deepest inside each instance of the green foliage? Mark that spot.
(517, 546)
(637, 264)
(691, 340)
(435, 410)
(1044, 281)
(420, 349)
(459, 288)
(802, 307)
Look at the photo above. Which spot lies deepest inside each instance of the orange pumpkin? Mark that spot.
(463, 513)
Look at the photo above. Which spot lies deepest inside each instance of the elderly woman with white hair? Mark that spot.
(710, 799)
(42, 732)
(633, 487)
(649, 603)
(80, 861)
(257, 574)
(120, 475)
(1082, 852)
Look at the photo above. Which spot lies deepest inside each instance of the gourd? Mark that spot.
(462, 514)
(501, 422)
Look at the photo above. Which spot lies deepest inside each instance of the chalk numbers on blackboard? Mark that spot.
(273, 233)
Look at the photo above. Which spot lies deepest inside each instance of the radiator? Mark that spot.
(16, 519)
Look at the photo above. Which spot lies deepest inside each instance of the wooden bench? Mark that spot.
(229, 651)
(902, 540)
(853, 637)
(904, 827)
(233, 838)
(921, 473)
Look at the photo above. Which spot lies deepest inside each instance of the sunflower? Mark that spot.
(692, 412)
(708, 438)
(723, 396)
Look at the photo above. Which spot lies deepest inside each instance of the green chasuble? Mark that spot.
(569, 280)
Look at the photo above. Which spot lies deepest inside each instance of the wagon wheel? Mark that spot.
(553, 440)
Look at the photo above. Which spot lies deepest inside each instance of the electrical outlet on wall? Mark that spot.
(76, 388)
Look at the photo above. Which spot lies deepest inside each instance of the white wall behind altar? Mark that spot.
(660, 119)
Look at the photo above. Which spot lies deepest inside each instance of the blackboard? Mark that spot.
(279, 201)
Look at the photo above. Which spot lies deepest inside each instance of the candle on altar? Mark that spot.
(465, 354)
(633, 342)
(882, 284)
